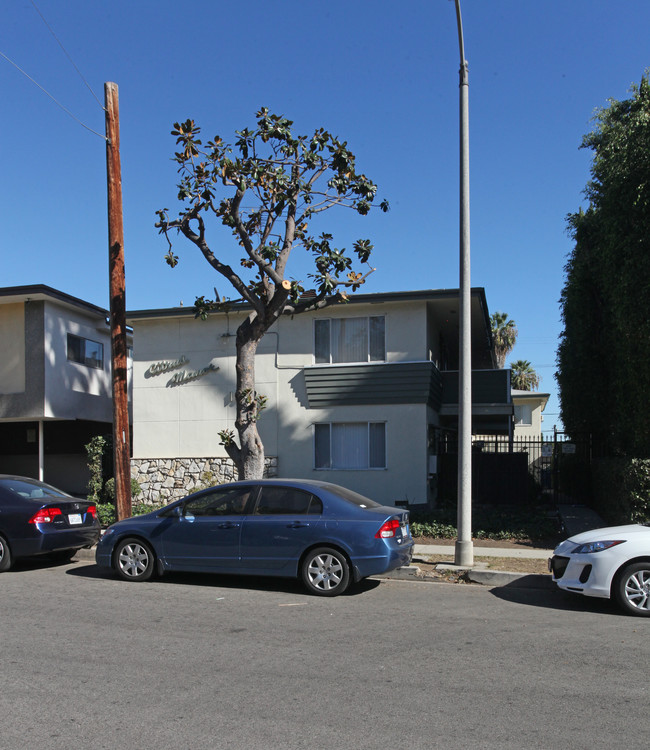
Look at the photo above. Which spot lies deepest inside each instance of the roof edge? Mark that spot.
(33, 290)
(372, 298)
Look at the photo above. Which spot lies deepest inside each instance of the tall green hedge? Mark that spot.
(622, 489)
(604, 352)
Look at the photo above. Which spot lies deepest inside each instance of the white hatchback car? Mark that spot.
(610, 563)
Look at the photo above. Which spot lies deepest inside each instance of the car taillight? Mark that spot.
(388, 529)
(45, 515)
(92, 509)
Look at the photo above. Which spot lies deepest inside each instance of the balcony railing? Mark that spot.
(384, 383)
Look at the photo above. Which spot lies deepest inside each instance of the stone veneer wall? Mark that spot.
(164, 480)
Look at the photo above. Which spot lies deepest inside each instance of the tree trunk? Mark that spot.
(250, 457)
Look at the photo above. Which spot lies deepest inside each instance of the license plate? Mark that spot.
(405, 531)
(74, 519)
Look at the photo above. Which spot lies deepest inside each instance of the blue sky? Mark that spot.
(382, 75)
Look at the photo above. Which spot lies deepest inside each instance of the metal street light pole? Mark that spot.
(464, 552)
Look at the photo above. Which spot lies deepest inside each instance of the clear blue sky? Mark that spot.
(382, 75)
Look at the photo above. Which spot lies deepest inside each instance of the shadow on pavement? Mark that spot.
(23, 564)
(554, 598)
(219, 580)
(89, 570)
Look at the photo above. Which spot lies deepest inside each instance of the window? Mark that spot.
(218, 503)
(523, 414)
(287, 501)
(85, 351)
(350, 340)
(350, 445)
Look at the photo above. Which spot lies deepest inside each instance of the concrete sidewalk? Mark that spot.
(444, 549)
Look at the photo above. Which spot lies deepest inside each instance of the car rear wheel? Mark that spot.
(325, 571)
(632, 589)
(134, 560)
(5, 555)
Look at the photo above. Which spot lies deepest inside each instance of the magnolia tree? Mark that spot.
(266, 188)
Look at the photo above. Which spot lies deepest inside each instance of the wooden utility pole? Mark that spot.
(121, 439)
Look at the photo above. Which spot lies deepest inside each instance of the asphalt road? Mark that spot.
(207, 662)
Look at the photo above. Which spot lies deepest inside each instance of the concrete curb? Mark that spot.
(484, 577)
(513, 580)
(87, 555)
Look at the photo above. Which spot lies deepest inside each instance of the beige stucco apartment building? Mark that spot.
(362, 393)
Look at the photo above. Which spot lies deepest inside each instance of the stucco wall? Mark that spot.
(28, 348)
(12, 346)
(74, 390)
(182, 421)
(533, 430)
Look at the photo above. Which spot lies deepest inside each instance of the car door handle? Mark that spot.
(227, 525)
(298, 525)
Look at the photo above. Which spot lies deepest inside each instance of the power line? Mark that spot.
(58, 103)
(66, 53)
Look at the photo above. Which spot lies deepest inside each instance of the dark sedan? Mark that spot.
(325, 534)
(37, 519)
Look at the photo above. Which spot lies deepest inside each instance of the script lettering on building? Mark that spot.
(159, 368)
(186, 376)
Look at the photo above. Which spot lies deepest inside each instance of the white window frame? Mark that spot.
(368, 352)
(522, 412)
(330, 436)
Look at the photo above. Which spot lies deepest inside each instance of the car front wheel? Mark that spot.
(325, 571)
(632, 589)
(134, 560)
(5, 555)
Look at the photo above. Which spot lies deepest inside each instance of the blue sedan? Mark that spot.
(327, 535)
(37, 519)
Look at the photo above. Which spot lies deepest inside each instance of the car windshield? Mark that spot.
(353, 497)
(30, 490)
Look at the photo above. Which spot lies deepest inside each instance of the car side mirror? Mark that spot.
(175, 512)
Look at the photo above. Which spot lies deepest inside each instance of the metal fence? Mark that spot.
(515, 471)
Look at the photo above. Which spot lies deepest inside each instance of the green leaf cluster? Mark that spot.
(489, 523)
(504, 336)
(604, 351)
(622, 489)
(101, 486)
(524, 377)
(265, 188)
(96, 451)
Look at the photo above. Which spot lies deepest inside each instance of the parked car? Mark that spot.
(38, 519)
(327, 535)
(609, 563)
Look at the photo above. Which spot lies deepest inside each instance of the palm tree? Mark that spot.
(504, 335)
(523, 377)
